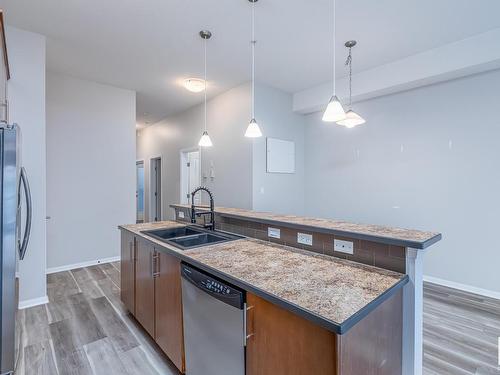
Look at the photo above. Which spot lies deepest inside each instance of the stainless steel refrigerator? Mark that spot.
(15, 215)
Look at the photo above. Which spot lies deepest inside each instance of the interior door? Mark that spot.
(156, 189)
(194, 174)
(139, 193)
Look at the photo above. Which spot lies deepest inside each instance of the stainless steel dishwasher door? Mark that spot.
(214, 332)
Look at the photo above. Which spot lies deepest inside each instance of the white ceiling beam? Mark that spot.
(473, 55)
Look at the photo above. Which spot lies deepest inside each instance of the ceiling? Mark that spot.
(150, 46)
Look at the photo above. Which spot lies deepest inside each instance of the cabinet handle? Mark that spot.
(131, 250)
(157, 265)
(246, 323)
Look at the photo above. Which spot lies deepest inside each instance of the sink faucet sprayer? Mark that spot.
(194, 214)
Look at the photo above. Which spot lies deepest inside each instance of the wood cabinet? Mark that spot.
(282, 343)
(168, 309)
(127, 274)
(145, 285)
(151, 291)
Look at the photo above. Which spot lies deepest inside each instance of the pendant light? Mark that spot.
(253, 129)
(352, 118)
(334, 111)
(205, 140)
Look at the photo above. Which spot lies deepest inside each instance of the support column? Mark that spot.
(413, 313)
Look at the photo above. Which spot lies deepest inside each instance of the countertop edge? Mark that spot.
(338, 328)
(419, 245)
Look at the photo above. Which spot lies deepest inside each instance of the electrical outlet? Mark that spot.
(181, 214)
(273, 232)
(305, 239)
(343, 246)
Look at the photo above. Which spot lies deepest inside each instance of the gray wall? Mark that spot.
(277, 192)
(231, 154)
(426, 159)
(90, 169)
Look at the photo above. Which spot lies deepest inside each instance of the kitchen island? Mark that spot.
(323, 314)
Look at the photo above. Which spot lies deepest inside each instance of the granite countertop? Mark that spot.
(377, 233)
(332, 292)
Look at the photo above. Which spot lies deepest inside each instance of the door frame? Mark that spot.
(182, 161)
(143, 161)
(150, 193)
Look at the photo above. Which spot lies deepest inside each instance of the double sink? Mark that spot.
(189, 237)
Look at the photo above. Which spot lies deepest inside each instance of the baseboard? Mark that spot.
(80, 265)
(33, 302)
(464, 287)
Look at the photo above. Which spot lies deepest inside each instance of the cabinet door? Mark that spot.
(168, 304)
(145, 286)
(127, 273)
(282, 343)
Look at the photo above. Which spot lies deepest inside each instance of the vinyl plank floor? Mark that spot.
(85, 329)
(40, 359)
(461, 332)
(104, 359)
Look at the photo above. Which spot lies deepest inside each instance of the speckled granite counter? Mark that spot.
(377, 233)
(332, 292)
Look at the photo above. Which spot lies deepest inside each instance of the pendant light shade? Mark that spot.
(253, 129)
(334, 111)
(205, 140)
(351, 120)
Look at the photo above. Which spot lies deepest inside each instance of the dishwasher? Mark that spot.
(214, 324)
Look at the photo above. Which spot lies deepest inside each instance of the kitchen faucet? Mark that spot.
(194, 213)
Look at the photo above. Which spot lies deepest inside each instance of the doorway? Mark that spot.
(155, 206)
(139, 192)
(190, 175)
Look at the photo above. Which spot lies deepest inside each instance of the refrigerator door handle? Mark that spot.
(29, 212)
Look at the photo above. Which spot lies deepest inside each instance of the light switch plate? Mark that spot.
(273, 232)
(305, 239)
(181, 215)
(343, 246)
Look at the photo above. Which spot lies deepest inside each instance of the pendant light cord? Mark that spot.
(334, 54)
(205, 80)
(349, 62)
(253, 41)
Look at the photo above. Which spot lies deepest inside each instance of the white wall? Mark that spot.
(90, 169)
(425, 159)
(277, 192)
(27, 108)
(231, 154)
(239, 163)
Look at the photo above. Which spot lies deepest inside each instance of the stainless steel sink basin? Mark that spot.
(185, 238)
(165, 234)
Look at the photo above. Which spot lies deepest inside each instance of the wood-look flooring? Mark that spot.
(84, 329)
(461, 332)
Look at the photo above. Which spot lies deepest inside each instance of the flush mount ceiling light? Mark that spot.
(194, 84)
(334, 111)
(352, 119)
(253, 129)
(205, 140)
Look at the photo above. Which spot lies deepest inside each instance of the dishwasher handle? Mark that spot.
(216, 288)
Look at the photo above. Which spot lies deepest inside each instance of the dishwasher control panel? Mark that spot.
(221, 290)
